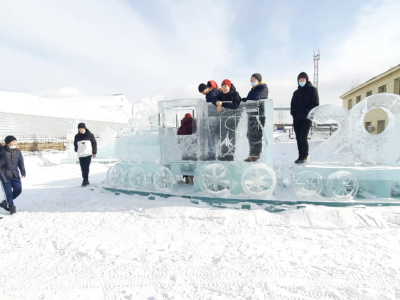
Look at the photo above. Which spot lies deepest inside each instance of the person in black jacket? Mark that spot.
(229, 99)
(256, 120)
(2, 162)
(86, 146)
(13, 165)
(210, 90)
(304, 99)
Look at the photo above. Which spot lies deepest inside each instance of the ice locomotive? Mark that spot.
(213, 154)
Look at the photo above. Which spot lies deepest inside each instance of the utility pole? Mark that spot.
(316, 61)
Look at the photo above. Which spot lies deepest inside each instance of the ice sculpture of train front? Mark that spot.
(153, 160)
(359, 160)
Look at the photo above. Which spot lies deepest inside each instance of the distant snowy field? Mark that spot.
(68, 242)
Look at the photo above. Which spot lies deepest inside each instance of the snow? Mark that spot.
(113, 108)
(68, 242)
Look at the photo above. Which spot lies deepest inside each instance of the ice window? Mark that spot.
(380, 126)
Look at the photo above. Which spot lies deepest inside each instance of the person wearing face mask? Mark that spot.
(13, 165)
(228, 99)
(210, 90)
(86, 146)
(256, 120)
(304, 99)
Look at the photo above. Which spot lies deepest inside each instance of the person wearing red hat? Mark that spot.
(212, 84)
(186, 128)
(228, 99)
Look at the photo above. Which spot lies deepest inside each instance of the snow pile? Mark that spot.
(68, 242)
(114, 108)
(144, 110)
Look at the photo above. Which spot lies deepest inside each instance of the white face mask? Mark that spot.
(13, 147)
(254, 83)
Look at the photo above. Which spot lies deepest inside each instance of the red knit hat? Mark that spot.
(227, 82)
(188, 115)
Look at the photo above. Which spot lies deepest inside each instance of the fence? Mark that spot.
(39, 143)
(320, 129)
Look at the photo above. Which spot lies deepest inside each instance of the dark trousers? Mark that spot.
(255, 133)
(85, 164)
(301, 129)
(13, 189)
(228, 135)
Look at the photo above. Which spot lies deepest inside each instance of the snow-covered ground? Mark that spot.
(68, 242)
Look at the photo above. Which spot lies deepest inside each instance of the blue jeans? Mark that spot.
(13, 189)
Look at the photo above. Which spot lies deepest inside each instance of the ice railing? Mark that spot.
(216, 134)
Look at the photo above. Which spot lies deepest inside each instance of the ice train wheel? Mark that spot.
(258, 180)
(136, 177)
(342, 185)
(163, 180)
(308, 184)
(115, 175)
(215, 179)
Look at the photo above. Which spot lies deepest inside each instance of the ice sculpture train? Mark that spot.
(351, 165)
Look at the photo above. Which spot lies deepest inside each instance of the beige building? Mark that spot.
(388, 82)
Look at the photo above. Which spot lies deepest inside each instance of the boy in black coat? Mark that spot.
(304, 99)
(86, 146)
(258, 91)
(13, 169)
(210, 90)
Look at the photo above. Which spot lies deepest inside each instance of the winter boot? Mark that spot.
(4, 205)
(227, 157)
(85, 183)
(13, 210)
(252, 158)
(301, 160)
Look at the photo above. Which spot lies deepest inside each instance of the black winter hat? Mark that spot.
(257, 76)
(202, 87)
(81, 125)
(302, 75)
(9, 139)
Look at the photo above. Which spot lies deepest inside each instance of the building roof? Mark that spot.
(388, 72)
(113, 108)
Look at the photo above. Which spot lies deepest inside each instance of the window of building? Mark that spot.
(380, 126)
(396, 89)
(382, 89)
(367, 126)
(358, 99)
(350, 104)
(369, 93)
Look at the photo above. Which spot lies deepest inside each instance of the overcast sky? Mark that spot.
(141, 48)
